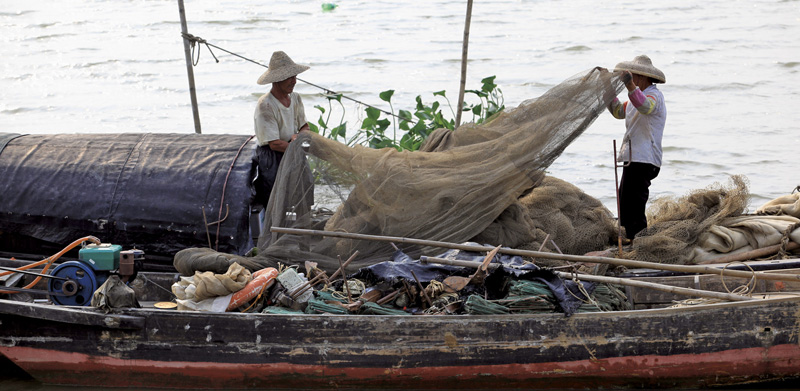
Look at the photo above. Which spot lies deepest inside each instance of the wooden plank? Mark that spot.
(71, 315)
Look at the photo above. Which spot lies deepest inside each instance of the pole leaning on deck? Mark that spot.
(188, 53)
(464, 56)
(629, 263)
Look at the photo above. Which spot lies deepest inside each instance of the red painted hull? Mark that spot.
(681, 370)
(712, 345)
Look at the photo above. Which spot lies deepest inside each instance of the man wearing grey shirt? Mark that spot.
(279, 117)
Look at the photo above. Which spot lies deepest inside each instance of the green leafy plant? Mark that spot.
(322, 126)
(491, 101)
(415, 127)
(375, 127)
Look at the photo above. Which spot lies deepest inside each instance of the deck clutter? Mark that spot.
(466, 317)
(497, 284)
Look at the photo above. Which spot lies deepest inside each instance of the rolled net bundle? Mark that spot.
(453, 190)
(576, 222)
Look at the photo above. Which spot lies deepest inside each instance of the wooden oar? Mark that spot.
(692, 269)
(457, 283)
(608, 280)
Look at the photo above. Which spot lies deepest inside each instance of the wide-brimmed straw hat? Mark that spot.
(281, 67)
(642, 65)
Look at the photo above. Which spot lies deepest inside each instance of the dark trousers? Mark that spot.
(634, 190)
(267, 161)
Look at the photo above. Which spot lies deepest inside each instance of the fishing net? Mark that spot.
(676, 224)
(481, 182)
(532, 297)
(576, 222)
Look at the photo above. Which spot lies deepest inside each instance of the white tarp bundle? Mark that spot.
(775, 220)
(208, 291)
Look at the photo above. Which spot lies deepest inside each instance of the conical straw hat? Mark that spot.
(281, 67)
(642, 65)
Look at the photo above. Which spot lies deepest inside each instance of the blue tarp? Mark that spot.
(403, 267)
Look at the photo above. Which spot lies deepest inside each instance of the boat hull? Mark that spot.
(709, 345)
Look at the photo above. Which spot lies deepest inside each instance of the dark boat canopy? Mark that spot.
(151, 191)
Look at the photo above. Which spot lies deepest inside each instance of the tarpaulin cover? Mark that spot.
(144, 190)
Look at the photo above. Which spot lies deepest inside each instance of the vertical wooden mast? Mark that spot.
(188, 53)
(464, 56)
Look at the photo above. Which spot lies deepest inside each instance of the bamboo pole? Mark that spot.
(464, 49)
(608, 280)
(344, 280)
(659, 287)
(189, 69)
(693, 269)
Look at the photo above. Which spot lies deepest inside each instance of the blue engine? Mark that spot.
(77, 280)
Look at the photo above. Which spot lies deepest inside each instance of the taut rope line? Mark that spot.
(195, 39)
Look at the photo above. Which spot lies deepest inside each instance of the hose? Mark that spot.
(48, 262)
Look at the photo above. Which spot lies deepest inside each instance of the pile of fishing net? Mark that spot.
(483, 183)
(708, 224)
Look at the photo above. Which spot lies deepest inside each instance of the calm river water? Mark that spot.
(732, 66)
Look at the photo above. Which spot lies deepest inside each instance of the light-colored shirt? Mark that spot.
(644, 118)
(274, 121)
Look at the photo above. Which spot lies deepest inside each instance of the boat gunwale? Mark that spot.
(133, 318)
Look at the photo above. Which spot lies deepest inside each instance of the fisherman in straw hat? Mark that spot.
(279, 117)
(645, 115)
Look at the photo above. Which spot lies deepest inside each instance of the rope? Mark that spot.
(195, 39)
(224, 186)
(192, 40)
(441, 303)
(157, 285)
(589, 298)
(256, 299)
(782, 252)
(744, 290)
(435, 288)
(355, 286)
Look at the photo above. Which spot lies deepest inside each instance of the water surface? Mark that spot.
(733, 70)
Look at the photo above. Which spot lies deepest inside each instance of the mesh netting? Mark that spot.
(677, 223)
(576, 222)
(481, 182)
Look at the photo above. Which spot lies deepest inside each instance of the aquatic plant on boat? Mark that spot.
(429, 117)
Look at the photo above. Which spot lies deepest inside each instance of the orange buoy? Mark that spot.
(262, 279)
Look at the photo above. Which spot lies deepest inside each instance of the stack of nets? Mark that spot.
(676, 224)
(606, 297)
(530, 297)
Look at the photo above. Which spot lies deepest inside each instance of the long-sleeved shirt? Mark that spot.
(645, 118)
